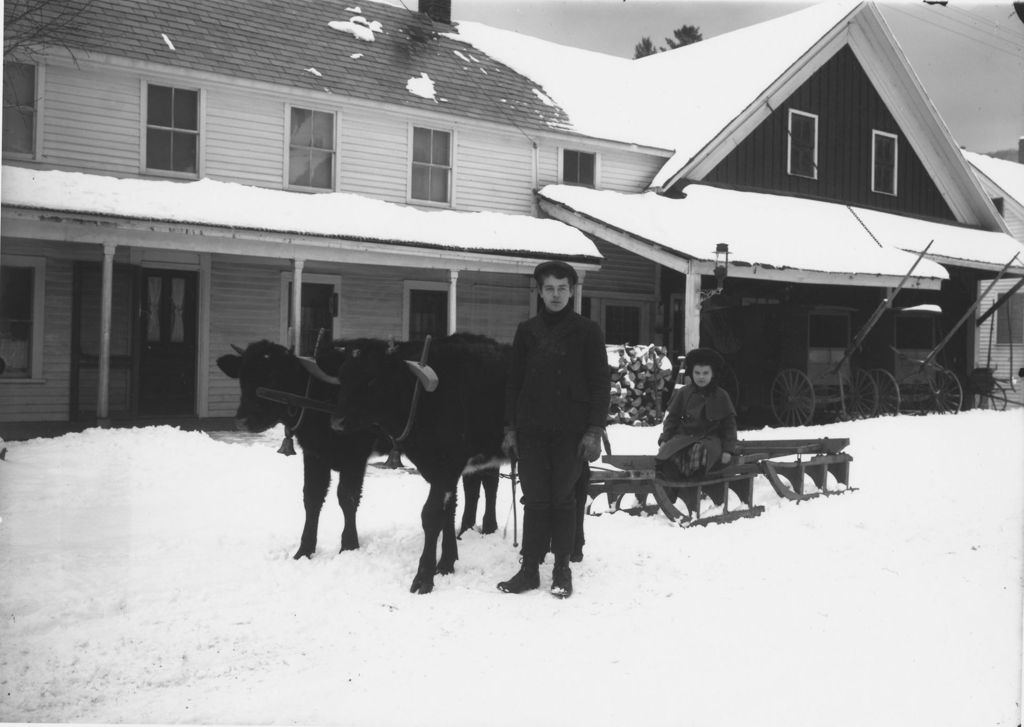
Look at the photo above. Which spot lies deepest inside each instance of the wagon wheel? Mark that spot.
(792, 398)
(888, 392)
(946, 392)
(730, 384)
(994, 399)
(861, 395)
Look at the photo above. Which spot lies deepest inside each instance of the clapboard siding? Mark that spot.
(245, 306)
(46, 400)
(91, 120)
(374, 155)
(245, 138)
(493, 173)
(621, 272)
(628, 171)
(492, 304)
(1007, 359)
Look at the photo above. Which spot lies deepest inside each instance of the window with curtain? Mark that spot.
(172, 129)
(19, 108)
(1010, 320)
(431, 165)
(311, 149)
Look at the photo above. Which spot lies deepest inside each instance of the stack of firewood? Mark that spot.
(640, 376)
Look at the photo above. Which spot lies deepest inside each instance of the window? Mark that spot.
(578, 167)
(319, 308)
(19, 108)
(21, 317)
(803, 144)
(1010, 320)
(1000, 205)
(883, 162)
(431, 165)
(172, 129)
(621, 323)
(311, 149)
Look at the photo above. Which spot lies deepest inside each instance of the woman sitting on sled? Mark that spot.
(699, 433)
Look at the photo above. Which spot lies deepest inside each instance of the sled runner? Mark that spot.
(784, 463)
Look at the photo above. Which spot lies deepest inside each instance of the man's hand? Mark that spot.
(590, 445)
(726, 458)
(509, 445)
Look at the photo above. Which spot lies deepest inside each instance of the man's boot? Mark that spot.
(526, 579)
(561, 577)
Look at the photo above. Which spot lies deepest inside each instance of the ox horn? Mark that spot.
(237, 349)
(424, 374)
(316, 372)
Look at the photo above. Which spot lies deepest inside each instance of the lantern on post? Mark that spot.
(721, 264)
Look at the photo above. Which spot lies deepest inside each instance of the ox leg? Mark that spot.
(489, 479)
(471, 494)
(438, 511)
(316, 481)
(351, 472)
(449, 541)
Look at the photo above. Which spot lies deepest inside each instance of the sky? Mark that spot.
(968, 55)
(142, 588)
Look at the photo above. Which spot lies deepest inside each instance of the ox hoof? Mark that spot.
(422, 585)
(576, 557)
(444, 568)
(349, 546)
(302, 553)
(489, 527)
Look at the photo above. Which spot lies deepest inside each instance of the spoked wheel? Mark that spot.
(888, 392)
(792, 398)
(947, 395)
(861, 395)
(994, 399)
(730, 384)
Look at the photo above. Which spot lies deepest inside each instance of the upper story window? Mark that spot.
(1000, 205)
(172, 129)
(803, 144)
(431, 165)
(884, 150)
(579, 167)
(311, 149)
(19, 108)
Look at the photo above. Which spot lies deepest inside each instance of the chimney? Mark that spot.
(439, 10)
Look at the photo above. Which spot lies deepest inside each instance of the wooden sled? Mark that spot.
(772, 458)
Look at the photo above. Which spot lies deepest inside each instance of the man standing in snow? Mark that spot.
(556, 407)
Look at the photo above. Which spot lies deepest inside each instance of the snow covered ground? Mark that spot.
(146, 577)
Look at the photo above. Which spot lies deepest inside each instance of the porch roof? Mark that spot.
(328, 222)
(771, 237)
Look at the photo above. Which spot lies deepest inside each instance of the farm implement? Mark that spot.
(784, 463)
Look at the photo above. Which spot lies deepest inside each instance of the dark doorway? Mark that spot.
(319, 308)
(428, 313)
(166, 342)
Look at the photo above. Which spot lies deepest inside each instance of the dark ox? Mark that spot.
(457, 427)
(269, 365)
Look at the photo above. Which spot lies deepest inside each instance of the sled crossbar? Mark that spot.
(302, 402)
(636, 475)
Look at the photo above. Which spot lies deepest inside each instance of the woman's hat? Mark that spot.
(704, 357)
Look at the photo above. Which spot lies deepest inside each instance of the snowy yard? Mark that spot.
(146, 576)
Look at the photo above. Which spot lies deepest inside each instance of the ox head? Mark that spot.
(268, 365)
(374, 386)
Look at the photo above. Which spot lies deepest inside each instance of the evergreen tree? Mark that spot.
(644, 48)
(683, 35)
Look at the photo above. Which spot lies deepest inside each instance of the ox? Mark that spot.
(268, 365)
(456, 428)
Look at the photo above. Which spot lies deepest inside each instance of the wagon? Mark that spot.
(632, 484)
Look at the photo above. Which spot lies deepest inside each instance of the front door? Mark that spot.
(167, 342)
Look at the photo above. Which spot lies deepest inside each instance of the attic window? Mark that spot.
(578, 167)
(172, 130)
(999, 203)
(803, 144)
(884, 152)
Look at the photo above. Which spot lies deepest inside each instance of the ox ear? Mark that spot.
(238, 350)
(424, 374)
(315, 371)
(230, 365)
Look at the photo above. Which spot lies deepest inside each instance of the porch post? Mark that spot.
(577, 296)
(297, 266)
(106, 310)
(533, 297)
(453, 276)
(691, 312)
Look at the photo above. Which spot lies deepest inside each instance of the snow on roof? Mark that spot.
(761, 229)
(1007, 175)
(339, 215)
(677, 100)
(963, 246)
